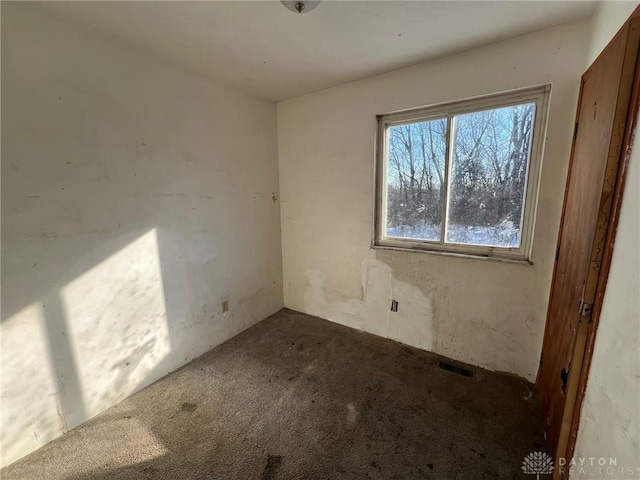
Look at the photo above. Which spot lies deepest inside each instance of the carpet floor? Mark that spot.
(297, 397)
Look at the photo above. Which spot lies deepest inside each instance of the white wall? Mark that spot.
(486, 313)
(135, 198)
(605, 22)
(610, 421)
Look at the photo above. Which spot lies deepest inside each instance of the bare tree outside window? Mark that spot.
(417, 155)
(461, 178)
(488, 176)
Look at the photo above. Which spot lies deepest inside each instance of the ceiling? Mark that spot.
(263, 48)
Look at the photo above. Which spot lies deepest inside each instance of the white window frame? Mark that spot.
(538, 95)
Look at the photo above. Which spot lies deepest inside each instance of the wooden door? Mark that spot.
(602, 130)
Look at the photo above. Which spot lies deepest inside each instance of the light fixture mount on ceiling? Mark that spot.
(300, 6)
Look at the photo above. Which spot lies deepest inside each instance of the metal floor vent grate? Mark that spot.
(458, 370)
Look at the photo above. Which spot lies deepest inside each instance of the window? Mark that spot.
(462, 177)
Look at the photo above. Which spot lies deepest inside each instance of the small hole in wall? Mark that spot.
(225, 306)
(394, 305)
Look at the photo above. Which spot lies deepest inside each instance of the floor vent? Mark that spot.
(458, 370)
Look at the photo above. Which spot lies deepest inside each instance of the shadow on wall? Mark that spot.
(77, 349)
(131, 207)
(117, 242)
(112, 276)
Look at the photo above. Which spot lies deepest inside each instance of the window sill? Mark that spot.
(453, 254)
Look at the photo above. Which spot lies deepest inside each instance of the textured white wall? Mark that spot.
(486, 313)
(605, 22)
(135, 198)
(610, 421)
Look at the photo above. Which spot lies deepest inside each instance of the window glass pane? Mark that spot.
(489, 175)
(415, 179)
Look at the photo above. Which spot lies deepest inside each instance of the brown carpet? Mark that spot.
(297, 397)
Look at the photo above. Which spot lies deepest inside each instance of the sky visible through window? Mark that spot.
(486, 177)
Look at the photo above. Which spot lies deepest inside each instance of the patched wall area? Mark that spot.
(487, 313)
(136, 200)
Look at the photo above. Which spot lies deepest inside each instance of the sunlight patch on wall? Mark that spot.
(116, 317)
(79, 350)
(29, 411)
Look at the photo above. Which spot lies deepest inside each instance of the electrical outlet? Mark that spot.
(225, 306)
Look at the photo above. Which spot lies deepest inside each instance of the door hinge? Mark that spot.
(585, 308)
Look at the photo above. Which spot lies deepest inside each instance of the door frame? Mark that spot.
(603, 244)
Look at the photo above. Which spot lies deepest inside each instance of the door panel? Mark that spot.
(600, 126)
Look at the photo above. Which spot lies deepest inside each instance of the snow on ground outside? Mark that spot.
(505, 234)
